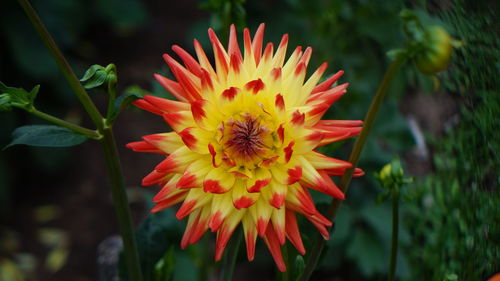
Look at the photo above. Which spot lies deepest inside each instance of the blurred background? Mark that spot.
(55, 206)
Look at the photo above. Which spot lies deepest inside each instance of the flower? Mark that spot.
(242, 149)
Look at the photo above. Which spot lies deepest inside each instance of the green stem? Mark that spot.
(319, 243)
(60, 122)
(108, 144)
(395, 234)
(74, 83)
(285, 276)
(230, 260)
(120, 203)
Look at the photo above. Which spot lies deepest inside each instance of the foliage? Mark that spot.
(455, 211)
(46, 135)
(451, 223)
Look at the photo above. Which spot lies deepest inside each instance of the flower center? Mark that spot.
(246, 138)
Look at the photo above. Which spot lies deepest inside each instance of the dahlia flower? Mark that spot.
(243, 140)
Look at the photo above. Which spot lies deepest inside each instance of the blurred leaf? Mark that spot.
(56, 258)
(9, 271)
(154, 236)
(379, 217)
(298, 267)
(46, 135)
(52, 237)
(122, 102)
(47, 213)
(185, 268)
(5, 102)
(368, 253)
(164, 268)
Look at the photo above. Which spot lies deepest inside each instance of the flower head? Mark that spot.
(243, 140)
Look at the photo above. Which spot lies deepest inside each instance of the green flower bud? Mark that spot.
(392, 175)
(436, 52)
(97, 76)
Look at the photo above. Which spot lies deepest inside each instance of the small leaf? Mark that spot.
(123, 102)
(9, 271)
(5, 102)
(90, 72)
(97, 80)
(56, 258)
(98, 75)
(18, 96)
(34, 93)
(46, 136)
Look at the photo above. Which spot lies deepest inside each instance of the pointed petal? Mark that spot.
(142, 146)
(241, 197)
(257, 43)
(226, 231)
(293, 233)
(195, 199)
(166, 105)
(218, 180)
(188, 60)
(274, 247)
(173, 87)
(278, 222)
(261, 178)
(195, 173)
(325, 85)
(250, 235)
(166, 142)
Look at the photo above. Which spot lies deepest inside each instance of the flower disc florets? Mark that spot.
(242, 150)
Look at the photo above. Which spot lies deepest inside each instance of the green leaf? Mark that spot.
(46, 136)
(164, 268)
(90, 72)
(299, 266)
(185, 268)
(5, 102)
(97, 75)
(153, 239)
(368, 253)
(131, 94)
(18, 96)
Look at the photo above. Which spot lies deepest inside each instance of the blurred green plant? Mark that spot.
(225, 13)
(392, 179)
(25, 59)
(456, 208)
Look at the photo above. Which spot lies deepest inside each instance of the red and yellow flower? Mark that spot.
(243, 140)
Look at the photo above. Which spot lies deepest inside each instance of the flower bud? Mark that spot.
(392, 175)
(436, 52)
(97, 76)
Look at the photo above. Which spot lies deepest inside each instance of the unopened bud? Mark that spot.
(392, 175)
(436, 52)
(97, 76)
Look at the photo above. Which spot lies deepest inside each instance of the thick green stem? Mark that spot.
(230, 259)
(120, 203)
(60, 122)
(395, 235)
(319, 242)
(74, 83)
